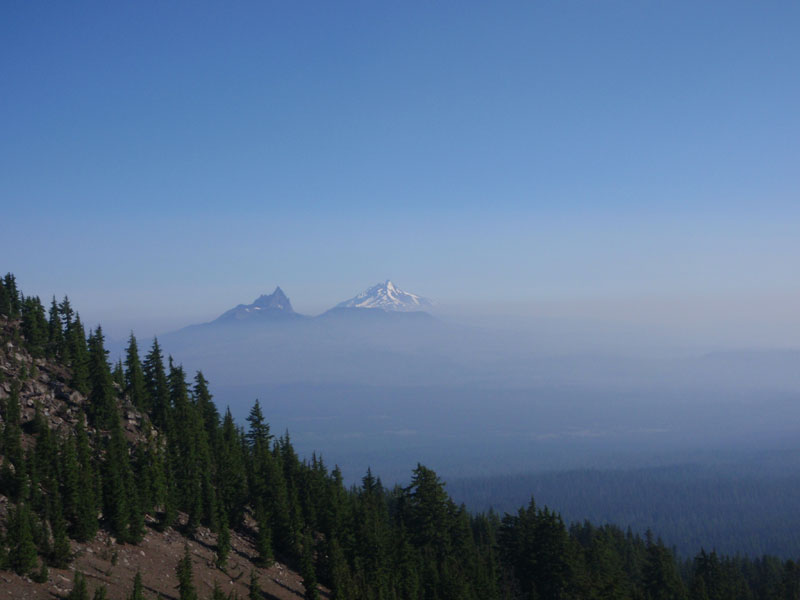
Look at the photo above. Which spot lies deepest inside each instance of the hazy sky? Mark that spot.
(161, 162)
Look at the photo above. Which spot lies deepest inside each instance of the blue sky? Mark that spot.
(161, 162)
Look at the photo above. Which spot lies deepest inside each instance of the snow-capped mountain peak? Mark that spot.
(387, 296)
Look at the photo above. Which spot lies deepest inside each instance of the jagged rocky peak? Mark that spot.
(276, 304)
(276, 300)
(387, 296)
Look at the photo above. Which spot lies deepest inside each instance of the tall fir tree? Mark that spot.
(135, 387)
(157, 387)
(186, 589)
(102, 410)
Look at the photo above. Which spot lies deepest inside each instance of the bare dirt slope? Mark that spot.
(105, 562)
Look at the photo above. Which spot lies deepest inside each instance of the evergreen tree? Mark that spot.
(5, 301)
(34, 326)
(208, 410)
(118, 491)
(62, 553)
(135, 387)
(253, 588)
(55, 333)
(79, 355)
(79, 589)
(13, 473)
(138, 588)
(217, 593)
(85, 520)
(661, 578)
(118, 375)
(100, 593)
(231, 477)
(12, 296)
(22, 550)
(186, 587)
(157, 386)
(223, 543)
(102, 410)
(308, 572)
(43, 574)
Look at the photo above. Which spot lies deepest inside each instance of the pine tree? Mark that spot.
(157, 386)
(43, 574)
(102, 398)
(22, 550)
(100, 593)
(138, 589)
(118, 374)
(134, 377)
(13, 473)
(12, 295)
(208, 410)
(85, 520)
(223, 543)
(117, 486)
(308, 573)
(231, 478)
(661, 578)
(185, 577)
(263, 539)
(5, 301)
(217, 593)
(79, 355)
(253, 588)
(79, 589)
(34, 326)
(55, 341)
(62, 553)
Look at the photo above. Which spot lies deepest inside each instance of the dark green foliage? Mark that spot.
(134, 382)
(223, 543)
(661, 580)
(100, 593)
(217, 593)
(308, 570)
(22, 550)
(84, 523)
(6, 296)
(79, 589)
(78, 353)
(253, 588)
(55, 332)
(61, 552)
(263, 540)
(119, 491)
(13, 471)
(157, 387)
(186, 589)
(102, 410)
(34, 326)
(42, 575)
(137, 593)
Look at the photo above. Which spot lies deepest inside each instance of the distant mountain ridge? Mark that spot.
(385, 297)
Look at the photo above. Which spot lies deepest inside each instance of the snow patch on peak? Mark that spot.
(387, 296)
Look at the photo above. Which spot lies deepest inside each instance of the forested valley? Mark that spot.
(91, 448)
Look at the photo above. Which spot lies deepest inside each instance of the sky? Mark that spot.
(162, 162)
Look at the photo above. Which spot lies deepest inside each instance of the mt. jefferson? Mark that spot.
(388, 297)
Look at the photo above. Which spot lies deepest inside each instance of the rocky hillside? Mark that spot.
(42, 387)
